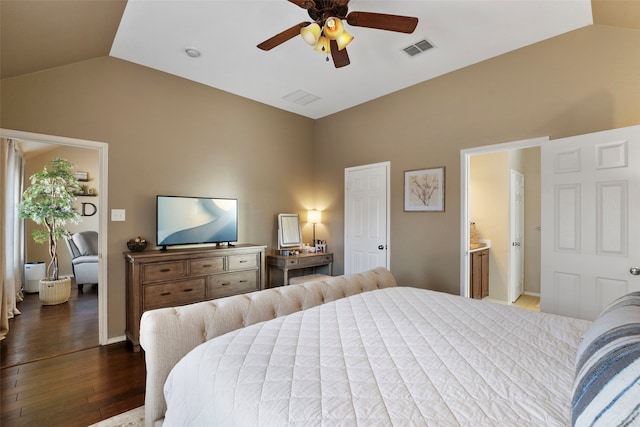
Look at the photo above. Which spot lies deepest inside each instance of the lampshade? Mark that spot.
(311, 33)
(314, 216)
(343, 40)
(333, 28)
(323, 45)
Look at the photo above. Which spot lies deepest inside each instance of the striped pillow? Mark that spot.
(606, 390)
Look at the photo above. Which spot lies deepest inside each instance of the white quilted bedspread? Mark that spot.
(398, 356)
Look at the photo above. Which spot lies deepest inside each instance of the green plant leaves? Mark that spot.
(49, 202)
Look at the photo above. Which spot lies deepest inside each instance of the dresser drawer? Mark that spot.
(240, 262)
(223, 285)
(163, 271)
(174, 293)
(157, 278)
(316, 260)
(206, 266)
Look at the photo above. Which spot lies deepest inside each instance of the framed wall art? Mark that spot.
(424, 190)
(81, 176)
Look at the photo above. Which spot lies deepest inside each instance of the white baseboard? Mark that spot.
(532, 294)
(116, 339)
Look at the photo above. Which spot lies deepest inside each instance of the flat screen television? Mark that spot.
(182, 220)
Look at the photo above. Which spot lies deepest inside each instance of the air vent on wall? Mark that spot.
(419, 47)
(301, 97)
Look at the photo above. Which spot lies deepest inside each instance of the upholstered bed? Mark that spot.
(359, 350)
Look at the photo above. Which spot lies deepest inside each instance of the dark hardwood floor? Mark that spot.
(54, 373)
(43, 331)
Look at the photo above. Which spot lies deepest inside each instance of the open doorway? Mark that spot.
(487, 201)
(83, 154)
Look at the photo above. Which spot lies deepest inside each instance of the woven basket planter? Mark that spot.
(55, 291)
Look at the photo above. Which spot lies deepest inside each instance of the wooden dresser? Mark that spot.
(157, 279)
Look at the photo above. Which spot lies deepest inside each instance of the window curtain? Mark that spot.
(12, 248)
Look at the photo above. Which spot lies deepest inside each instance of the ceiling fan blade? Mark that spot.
(340, 57)
(382, 21)
(305, 4)
(341, 2)
(278, 39)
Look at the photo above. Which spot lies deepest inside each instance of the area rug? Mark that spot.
(132, 418)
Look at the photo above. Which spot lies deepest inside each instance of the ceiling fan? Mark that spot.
(327, 34)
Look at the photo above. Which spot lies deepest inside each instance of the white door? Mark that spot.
(516, 251)
(590, 230)
(366, 234)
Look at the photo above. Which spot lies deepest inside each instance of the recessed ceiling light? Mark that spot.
(192, 52)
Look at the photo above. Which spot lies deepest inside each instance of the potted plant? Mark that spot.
(49, 202)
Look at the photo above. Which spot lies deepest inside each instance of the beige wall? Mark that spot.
(83, 160)
(580, 82)
(489, 209)
(489, 205)
(532, 231)
(168, 135)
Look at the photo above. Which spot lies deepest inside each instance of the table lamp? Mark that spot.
(314, 217)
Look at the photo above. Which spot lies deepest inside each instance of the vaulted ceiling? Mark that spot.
(38, 35)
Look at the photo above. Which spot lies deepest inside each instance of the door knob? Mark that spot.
(635, 271)
(381, 247)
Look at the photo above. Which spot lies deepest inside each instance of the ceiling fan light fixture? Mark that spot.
(311, 33)
(343, 40)
(333, 27)
(323, 45)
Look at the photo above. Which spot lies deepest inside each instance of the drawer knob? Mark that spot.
(225, 284)
(244, 260)
(165, 270)
(164, 294)
(243, 281)
(207, 265)
(187, 290)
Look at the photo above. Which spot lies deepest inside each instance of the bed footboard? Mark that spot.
(167, 334)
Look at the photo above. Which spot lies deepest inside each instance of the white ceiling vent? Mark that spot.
(301, 97)
(419, 47)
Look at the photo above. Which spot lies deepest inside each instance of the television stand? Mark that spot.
(157, 279)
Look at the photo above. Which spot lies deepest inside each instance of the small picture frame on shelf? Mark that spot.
(90, 191)
(81, 176)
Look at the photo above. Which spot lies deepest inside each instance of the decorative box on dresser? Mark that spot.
(157, 279)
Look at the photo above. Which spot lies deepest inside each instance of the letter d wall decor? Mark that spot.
(88, 209)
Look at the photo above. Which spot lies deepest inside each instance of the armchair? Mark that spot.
(83, 247)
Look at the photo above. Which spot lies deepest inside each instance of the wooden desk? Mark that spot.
(296, 262)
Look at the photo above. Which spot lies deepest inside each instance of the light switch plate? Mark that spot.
(118, 214)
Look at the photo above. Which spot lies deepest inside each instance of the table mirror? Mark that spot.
(289, 232)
